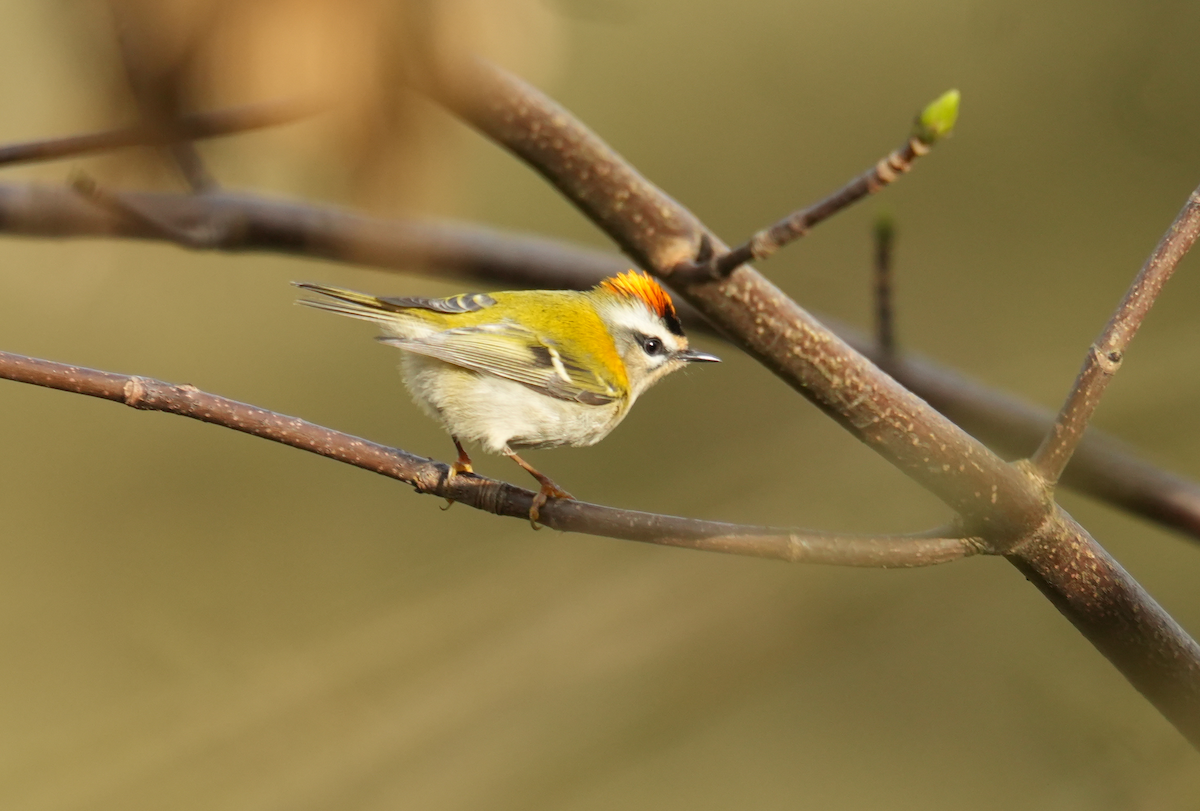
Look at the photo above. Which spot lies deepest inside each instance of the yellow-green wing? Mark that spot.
(515, 353)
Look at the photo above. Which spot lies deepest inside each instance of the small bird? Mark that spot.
(529, 368)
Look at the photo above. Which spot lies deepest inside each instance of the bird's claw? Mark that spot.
(548, 491)
(460, 466)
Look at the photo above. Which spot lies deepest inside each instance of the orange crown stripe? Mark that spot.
(645, 288)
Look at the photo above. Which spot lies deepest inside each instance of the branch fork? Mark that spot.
(1106, 353)
(933, 124)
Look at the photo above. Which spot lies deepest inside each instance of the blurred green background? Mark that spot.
(196, 619)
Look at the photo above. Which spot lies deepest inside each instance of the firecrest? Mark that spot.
(527, 369)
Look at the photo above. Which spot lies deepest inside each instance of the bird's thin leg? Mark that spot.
(549, 488)
(461, 465)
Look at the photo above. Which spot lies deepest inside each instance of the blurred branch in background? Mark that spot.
(158, 87)
(198, 237)
(213, 124)
(884, 234)
(239, 222)
(186, 55)
(426, 476)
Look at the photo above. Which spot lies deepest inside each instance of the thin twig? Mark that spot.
(885, 237)
(212, 124)
(766, 242)
(1108, 350)
(186, 157)
(935, 122)
(474, 254)
(427, 476)
(197, 237)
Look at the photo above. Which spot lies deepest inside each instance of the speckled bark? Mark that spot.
(1109, 608)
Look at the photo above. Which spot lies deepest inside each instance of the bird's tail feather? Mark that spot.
(348, 302)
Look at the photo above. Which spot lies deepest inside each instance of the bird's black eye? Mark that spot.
(652, 346)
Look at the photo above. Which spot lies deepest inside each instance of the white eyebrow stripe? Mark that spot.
(637, 318)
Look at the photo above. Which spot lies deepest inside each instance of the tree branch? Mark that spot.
(427, 476)
(1125, 624)
(199, 238)
(159, 91)
(212, 124)
(934, 123)
(1108, 350)
(1101, 467)
(885, 330)
(244, 223)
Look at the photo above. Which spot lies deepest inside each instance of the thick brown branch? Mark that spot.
(213, 124)
(1101, 467)
(1122, 621)
(1106, 353)
(427, 476)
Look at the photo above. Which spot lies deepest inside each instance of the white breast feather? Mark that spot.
(498, 413)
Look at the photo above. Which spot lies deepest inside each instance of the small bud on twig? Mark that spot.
(937, 120)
